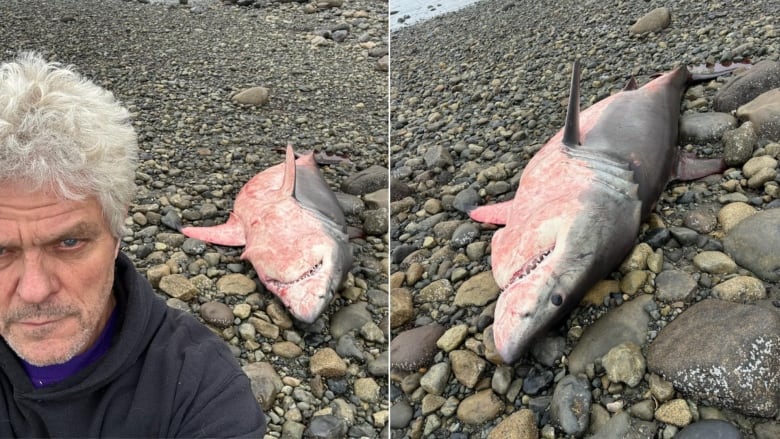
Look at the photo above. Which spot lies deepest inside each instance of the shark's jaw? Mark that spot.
(276, 285)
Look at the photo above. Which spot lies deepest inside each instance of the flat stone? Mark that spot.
(437, 291)
(709, 429)
(236, 284)
(625, 364)
(415, 348)
(480, 407)
(738, 144)
(753, 244)
(478, 290)
(453, 337)
(266, 383)
(435, 380)
(733, 213)
(653, 21)
(743, 88)
(764, 113)
(327, 363)
(518, 425)
(740, 289)
(570, 405)
(402, 305)
(674, 412)
(724, 354)
(349, 318)
(703, 128)
(674, 285)
(628, 322)
(217, 314)
(178, 287)
(257, 96)
(467, 367)
(714, 262)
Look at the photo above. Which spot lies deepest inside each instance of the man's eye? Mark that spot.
(70, 242)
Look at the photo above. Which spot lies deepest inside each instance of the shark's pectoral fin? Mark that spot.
(492, 213)
(231, 233)
(690, 167)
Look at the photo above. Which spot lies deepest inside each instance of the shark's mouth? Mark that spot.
(279, 285)
(529, 267)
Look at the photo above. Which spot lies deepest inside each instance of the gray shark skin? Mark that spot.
(294, 234)
(580, 203)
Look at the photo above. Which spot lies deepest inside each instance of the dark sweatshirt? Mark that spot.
(165, 375)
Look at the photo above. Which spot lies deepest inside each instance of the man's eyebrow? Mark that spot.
(82, 229)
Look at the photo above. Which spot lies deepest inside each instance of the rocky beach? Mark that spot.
(682, 339)
(318, 79)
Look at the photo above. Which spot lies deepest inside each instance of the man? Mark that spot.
(88, 349)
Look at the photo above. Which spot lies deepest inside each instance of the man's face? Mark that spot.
(56, 273)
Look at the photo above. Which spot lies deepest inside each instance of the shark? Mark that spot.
(580, 203)
(293, 232)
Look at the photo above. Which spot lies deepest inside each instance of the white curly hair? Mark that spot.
(61, 132)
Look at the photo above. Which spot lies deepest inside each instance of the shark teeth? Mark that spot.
(529, 266)
(279, 285)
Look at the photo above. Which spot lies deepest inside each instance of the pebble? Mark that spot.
(674, 285)
(435, 380)
(477, 290)
(178, 286)
(217, 314)
(415, 348)
(753, 248)
(480, 407)
(675, 412)
(519, 425)
(467, 367)
(709, 429)
(625, 363)
(327, 363)
(740, 289)
(570, 405)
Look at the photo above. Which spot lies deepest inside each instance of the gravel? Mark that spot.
(176, 68)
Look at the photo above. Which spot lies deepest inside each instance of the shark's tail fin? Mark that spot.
(571, 131)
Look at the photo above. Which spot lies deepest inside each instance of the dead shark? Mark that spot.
(294, 232)
(580, 202)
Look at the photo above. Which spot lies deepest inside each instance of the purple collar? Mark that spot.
(47, 375)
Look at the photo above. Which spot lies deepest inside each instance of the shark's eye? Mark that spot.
(556, 299)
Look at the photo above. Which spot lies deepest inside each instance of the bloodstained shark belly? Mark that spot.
(579, 206)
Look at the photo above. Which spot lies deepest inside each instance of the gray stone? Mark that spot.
(266, 383)
(327, 427)
(415, 348)
(624, 364)
(366, 181)
(435, 380)
(703, 128)
(753, 244)
(467, 367)
(437, 156)
(762, 77)
(349, 318)
(257, 96)
(722, 353)
(401, 414)
(738, 144)
(570, 405)
(709, 429)
(624, 426)
(674, 285)
(625, 323)
(653, 21)
(217, 314)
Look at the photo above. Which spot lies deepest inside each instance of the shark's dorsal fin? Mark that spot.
(571, 131)
(288, 182)
(630, 85)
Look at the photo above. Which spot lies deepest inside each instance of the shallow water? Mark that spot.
(414, 11)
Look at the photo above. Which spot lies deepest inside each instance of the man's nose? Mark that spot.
(37, 281)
